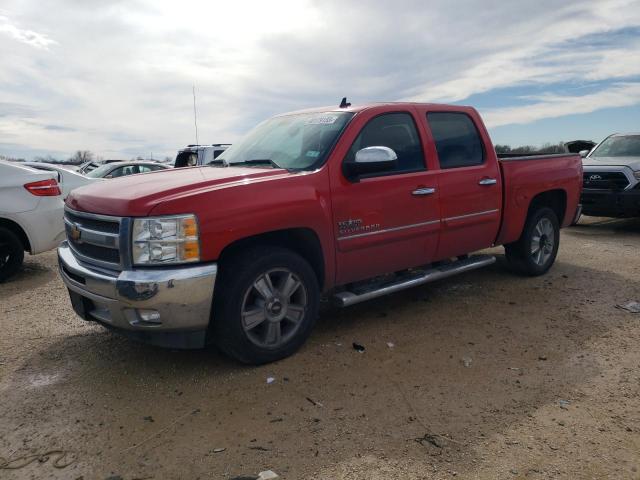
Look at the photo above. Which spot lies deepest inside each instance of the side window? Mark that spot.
(144, 168)
(396, 131)
(457, 140)
(118, 172)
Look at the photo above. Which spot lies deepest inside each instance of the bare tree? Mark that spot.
(81, 156)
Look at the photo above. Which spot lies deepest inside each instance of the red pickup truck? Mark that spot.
(352, 202)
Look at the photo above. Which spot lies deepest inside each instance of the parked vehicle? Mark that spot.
(91, 165)
(612, 177)
(123, 169)
(195, 155)
(355, 202)
(67, 179)
(31, 212)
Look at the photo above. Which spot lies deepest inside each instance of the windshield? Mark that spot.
(619, 146)
(100, 172)
(295, 142)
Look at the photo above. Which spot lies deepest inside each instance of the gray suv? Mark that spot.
(611, 185)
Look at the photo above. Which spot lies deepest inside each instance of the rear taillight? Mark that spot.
(44, 188)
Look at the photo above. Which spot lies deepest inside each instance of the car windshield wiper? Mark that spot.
(257, 161)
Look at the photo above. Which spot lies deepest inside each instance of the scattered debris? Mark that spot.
(24, 460)
(542, 357)
(391, 344)
(259, 448)
(313, 402)
(267, 475)
(432, 439)
(466, 361)
(219, 450)
(564, 404)
(270, 380)
(631, 307)
(517, 369)
(358, 348)
(148, 418)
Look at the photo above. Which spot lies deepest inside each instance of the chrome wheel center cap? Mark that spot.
(276, 310)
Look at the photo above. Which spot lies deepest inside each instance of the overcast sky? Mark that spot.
(116, 77)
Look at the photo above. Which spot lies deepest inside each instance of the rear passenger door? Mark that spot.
(469, 182)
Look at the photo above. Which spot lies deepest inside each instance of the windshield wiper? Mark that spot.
(257, 161)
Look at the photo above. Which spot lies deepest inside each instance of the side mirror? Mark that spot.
(583, 153)
(108, 176)
(370, 160)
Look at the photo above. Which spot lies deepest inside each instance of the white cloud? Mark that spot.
(29, 37)
(553, 106)
(119, 78)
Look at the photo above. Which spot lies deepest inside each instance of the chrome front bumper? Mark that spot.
(163, 306)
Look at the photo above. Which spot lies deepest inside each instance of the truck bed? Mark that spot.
(525, 176)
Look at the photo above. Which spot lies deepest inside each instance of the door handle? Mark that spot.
(488, 181)
(423, 191)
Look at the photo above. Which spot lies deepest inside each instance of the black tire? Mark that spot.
(523, 256)
(11, 253)
(236, 289)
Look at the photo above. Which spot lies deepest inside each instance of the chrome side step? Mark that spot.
(347, 298)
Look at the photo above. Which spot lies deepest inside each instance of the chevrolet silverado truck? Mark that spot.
(611, 185)
(349, 202)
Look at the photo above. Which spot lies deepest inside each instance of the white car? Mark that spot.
(31, 214)
(67, 179)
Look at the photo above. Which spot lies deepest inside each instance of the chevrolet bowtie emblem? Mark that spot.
(75, 233)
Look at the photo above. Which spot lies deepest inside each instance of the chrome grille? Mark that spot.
(94, 238)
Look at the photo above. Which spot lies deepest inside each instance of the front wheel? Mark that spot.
(11, 253)
(536, 250)
(266, 305)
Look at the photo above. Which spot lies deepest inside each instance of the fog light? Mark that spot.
(149, 316)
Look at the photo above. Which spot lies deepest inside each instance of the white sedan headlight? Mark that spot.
(165, 240)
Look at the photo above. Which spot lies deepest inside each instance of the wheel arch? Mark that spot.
(556, 200)
(304, 241)
(18, 230)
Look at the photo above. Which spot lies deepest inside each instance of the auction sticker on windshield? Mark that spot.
(322, 120)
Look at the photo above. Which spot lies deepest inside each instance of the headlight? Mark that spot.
(165, 240)
(637, 174)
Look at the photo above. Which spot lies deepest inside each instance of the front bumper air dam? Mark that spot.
(603, 203)
(168, 307)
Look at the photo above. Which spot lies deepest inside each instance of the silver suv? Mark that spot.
(611, 185)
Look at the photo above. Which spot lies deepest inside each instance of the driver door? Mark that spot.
(389, 220)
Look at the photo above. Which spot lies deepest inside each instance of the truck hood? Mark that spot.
(137, 195)
(632, 162)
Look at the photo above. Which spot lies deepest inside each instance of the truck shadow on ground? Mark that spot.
(463, 358)
(601, 225)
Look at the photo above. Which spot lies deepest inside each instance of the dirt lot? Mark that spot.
(486, 375)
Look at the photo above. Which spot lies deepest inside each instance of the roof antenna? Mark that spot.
(344, 103)
(195, 117)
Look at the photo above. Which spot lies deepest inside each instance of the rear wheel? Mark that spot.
(11, 253)
(536, 250)
(265, 306)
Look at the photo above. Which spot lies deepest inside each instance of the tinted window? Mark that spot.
(396, 131)
(457, 140)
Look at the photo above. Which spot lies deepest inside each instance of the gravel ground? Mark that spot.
(485, 375)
